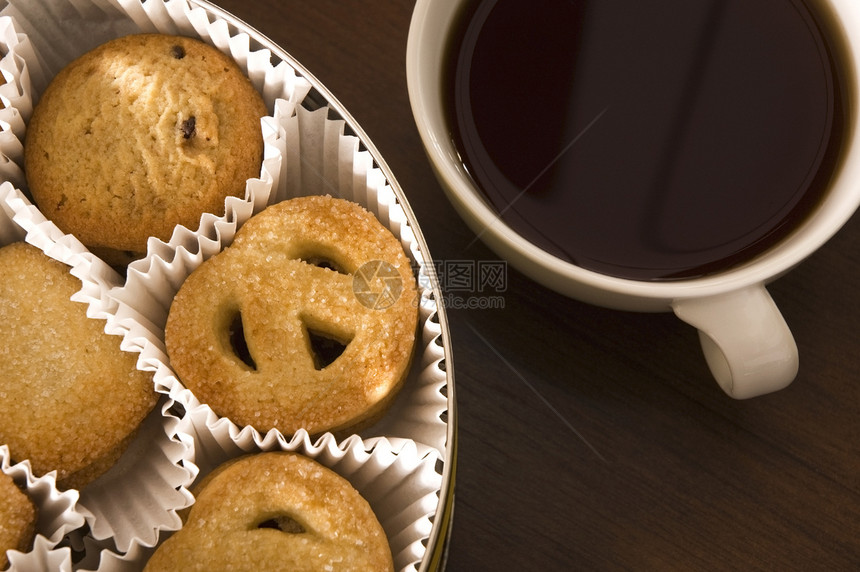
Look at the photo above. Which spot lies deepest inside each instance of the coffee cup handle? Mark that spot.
(745, 339)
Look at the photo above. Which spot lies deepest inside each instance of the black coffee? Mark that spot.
(647, 139)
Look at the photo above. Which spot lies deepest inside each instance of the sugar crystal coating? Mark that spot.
(268, 276)
(278, 511)
(71, 398)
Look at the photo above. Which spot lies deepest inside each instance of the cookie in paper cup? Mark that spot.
(203, 146)
(306, 321)
(398, 479)
(148, 454)
(276, 509)
(142, 133)
(72, 399)
(59, 364)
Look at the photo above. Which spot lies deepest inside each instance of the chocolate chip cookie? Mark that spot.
(141, 134)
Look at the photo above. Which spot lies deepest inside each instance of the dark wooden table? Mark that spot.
(593, 439)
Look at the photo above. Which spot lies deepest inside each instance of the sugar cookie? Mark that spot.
(70, 398)
(307, 321)
(276, 511)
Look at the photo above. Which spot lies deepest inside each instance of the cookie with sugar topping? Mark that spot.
(70, 398)
(306, 321)
(276, 511)
(140, 134)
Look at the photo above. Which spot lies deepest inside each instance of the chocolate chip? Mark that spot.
(177, 52)
(188, 127)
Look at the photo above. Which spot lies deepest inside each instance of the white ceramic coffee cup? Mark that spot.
(745, 339)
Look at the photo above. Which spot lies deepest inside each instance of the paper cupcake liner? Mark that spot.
(15, 99)
(57, 517)
(398, 478)
(15, 93)
(156, 469)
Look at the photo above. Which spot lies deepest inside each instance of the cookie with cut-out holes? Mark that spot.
(70, 398)
(17, 519)
(306, 321)
(276, 511)
(140, 134)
